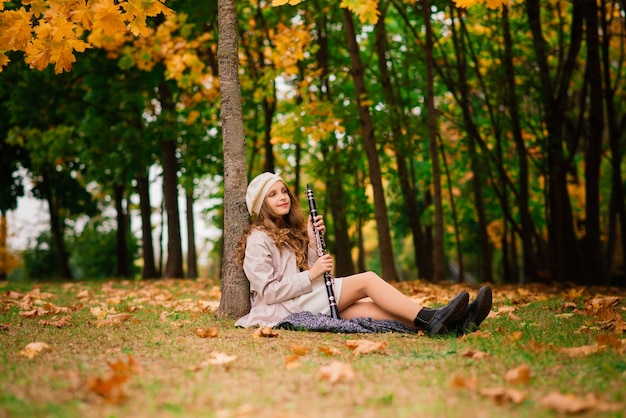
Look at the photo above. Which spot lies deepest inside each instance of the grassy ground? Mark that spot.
(155, 349)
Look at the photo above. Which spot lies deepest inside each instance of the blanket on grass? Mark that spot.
(307, 321)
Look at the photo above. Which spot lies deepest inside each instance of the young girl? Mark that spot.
(281, 262)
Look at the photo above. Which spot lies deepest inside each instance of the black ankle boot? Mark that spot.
(438, 321)
(476, 313)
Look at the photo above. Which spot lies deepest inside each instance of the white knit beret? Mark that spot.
(257, 189)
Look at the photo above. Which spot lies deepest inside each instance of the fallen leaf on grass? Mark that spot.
(475, 354)
(330, 351)
(298, 349)
(33, 349)
(582, 351)
(12, 294)
(111, 386)
(336, 372)
(265, 332)
(568, 403)
(518, 375)
(83, 294)
(292, 361)
(220, 358)
(113, 319)
(206, 332)
(463, 382)
(365, 346)
(57, 322)
(502, 395)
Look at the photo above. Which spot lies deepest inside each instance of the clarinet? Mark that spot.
(321, 250)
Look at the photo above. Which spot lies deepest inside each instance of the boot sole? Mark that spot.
(484, 301)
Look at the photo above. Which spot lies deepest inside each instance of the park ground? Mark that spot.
(157, 349)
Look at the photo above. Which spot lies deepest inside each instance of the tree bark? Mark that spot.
(235, 300)
(192, 259)
(564, 255)
(174, 263)
(387, 260)
(147, 246)
(593, 262)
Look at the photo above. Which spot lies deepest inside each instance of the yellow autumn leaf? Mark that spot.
(15, 29)
(4, 61)
(276, 3)
(108, 18)
(365, 346)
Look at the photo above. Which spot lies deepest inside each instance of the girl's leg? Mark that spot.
(368, 309)
(388, 302)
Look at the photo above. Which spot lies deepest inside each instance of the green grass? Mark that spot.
(411, 378)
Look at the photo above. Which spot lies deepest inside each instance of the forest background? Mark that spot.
(486, 140)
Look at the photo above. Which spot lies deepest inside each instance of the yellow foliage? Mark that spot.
(366, 10)
(50, 31)
(492, 4)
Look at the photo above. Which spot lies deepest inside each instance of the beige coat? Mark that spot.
(276, 283)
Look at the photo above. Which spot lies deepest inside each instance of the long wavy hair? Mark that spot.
(289, 229)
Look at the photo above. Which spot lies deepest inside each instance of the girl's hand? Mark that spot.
(319, 224)
(322, 265)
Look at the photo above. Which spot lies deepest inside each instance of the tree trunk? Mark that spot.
(174, 263)
(439, 271)
(593, 262)
(192, 259)
(387, 260)
(3, 247)
(235, 300)
(617, 210)
(122, 269)
(563, 254)
(57, 227)
(532, 264)
(147, 247)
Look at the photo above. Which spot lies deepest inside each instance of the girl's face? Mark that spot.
(277, 199)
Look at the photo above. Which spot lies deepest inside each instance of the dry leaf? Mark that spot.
(330, 351)
(298, 349)
(365, 346)
(292, 361)
(582, 351)
(113, 319)
(475, 354)
(565, 403)
(110, 387)
(515, 336)
(462, 382)
(501, 395)
(265, 332)
(83, 294)
(518, 375)
(57, 322)
(33, 349)
(206, 332)
(336, 372)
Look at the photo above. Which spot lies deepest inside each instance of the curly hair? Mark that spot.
(289, 229)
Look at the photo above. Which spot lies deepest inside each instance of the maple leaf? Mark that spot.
(15, 29)
(265, 332)
(108, 18)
